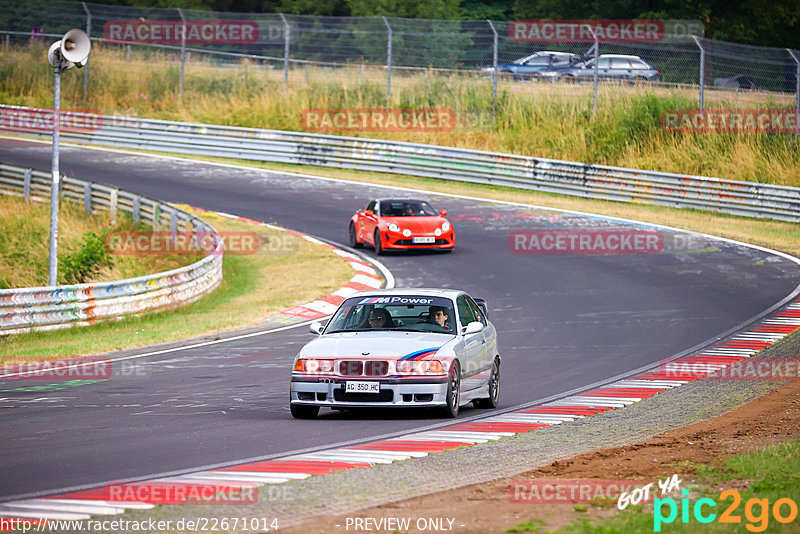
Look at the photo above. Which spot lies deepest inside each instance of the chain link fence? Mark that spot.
(490, 51)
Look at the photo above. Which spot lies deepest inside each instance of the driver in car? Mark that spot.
(438, 315)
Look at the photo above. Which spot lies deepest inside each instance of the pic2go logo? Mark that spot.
(757, 511)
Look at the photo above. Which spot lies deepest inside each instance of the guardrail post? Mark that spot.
(26, 187)
(86, 66)
(286, 31)
(388, 63)
(183, 52)
(87, 197)
(796, 92)
(702, 69)
(8, 41)
(128, 53)
(156, 216)
(112, 205)
(494, 63)
(137, 210)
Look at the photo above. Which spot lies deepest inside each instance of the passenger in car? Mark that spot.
(380, 318)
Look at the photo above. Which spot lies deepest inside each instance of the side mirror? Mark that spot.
(442, 213)
(370, 213)
(315, 328)
(482, 305)
(473, 328)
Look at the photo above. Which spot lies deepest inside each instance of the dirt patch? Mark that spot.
(487, 508)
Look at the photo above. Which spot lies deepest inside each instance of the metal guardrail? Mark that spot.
(49, 308)
(547, 175)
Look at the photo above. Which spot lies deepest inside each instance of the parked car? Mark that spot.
(609, 66)
(740, 81)
(401, 224)
(399, 348)
(524, 67)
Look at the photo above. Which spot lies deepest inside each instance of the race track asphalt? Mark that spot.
(564, 321)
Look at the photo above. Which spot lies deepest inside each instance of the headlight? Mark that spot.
(393, 227)
(313, 366)
(406, 233)
(445, 226)
(437, 232)
(420, 367)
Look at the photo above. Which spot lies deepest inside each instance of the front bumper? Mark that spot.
(394, 241)
(393, 394)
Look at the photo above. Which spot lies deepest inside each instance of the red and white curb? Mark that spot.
(366, 277)
(147, 494)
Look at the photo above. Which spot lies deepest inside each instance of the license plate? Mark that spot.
(362, 387)
(422, 240)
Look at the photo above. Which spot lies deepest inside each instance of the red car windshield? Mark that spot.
(406, 208)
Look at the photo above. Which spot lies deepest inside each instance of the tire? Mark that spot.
(301, 411)
(639, 79)
(378, 246)
(453, 392)
(354, 242)
(494, 389)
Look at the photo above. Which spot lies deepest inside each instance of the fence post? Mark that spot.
(26, 188)
(595, 78)
(285, 51)
(702, 69)
(183, 52)
(8, 41)
(494, 63)
(388, 63)
(796, 92)
(86, 67)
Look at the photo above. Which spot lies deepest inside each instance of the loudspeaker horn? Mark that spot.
(75, 47)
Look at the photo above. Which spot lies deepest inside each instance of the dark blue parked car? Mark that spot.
(524, 67)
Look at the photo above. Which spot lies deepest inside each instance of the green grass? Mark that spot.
(254, 286)
(24, 245)
(538, 119)
(772, 474)
(527, 526)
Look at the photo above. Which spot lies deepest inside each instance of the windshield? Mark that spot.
(406, 208)
(409, 313)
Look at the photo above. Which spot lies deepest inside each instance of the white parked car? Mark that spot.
(399, 348)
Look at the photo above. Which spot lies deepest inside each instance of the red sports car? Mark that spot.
(401, 224)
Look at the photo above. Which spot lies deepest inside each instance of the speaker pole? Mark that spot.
(54, 184)
(71, 51)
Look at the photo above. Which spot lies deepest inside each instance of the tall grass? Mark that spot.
(537, 119)
(25, 250)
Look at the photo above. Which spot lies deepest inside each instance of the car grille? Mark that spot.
(409, 242)
(364, 368)
(386, 395)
